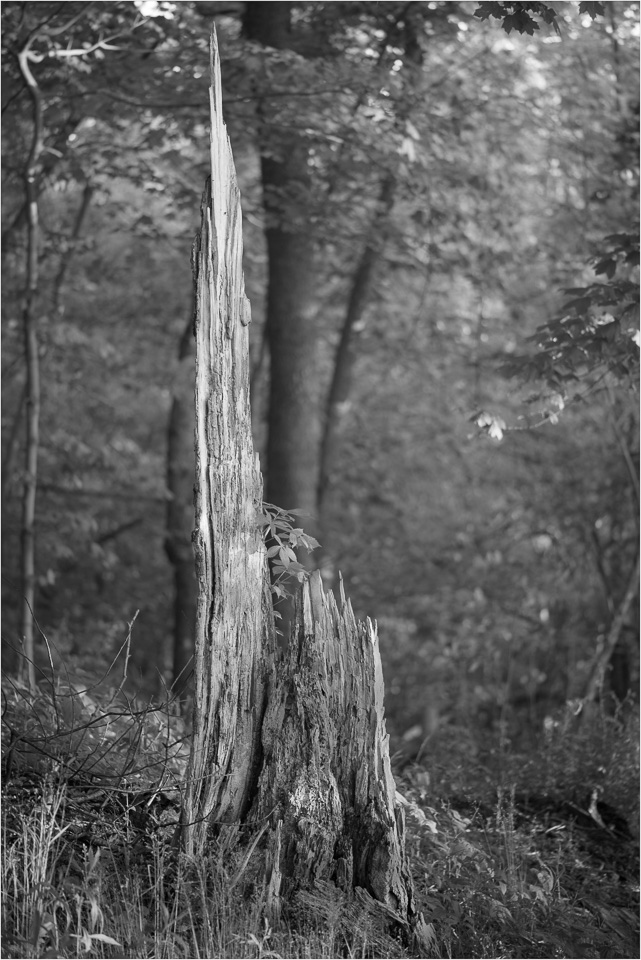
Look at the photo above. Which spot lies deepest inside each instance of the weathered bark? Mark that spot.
(297, 744)
(326, 781)
(180, 511)
(29, 323)
(234, 621)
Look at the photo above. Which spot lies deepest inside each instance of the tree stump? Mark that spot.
(298, 739)
(326, 780)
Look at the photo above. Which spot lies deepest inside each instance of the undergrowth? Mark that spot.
(512, 856)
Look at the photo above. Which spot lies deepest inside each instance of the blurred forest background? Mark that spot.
(420, 190)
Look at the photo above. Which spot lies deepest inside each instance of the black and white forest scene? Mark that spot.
(320, 480)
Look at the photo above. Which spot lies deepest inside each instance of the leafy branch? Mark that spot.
(595, 340)
(597, 331)
(283, 538)
(516, 16)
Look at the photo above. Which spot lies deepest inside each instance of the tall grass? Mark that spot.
(528, 862)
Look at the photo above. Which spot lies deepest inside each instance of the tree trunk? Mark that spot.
(180, 512)
(234, 620)
(293, 417)
(337, 401)
(326, 780)
(56, 150)
(291, 327)
(29, 323)
(345, 357)
(594, 684)
(295, 745)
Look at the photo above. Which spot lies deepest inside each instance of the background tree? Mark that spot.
(518, 161)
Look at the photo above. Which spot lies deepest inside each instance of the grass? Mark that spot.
(512, 856)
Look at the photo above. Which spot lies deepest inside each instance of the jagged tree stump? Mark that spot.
(295, 740)
(326, 779)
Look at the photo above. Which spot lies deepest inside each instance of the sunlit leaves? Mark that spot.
(283, 539)
(597, 332)
(491, 424)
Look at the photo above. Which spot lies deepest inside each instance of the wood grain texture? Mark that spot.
(326, 781)
(234, 628)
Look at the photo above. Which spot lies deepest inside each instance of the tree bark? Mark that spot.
(291, 329)
(293, 745)
(326, 781)
(234, 620)
(180, 512)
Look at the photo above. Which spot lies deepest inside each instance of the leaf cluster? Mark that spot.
(597, 331)
(517, 16)
(283, 539)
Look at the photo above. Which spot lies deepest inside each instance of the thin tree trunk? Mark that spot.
(294, 745)
(180, 511)
(345, 357)
(49, 162)
(28, 565)
(597, 673)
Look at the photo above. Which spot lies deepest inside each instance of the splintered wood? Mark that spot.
(326, 776)
(293, 742)
(234, 629)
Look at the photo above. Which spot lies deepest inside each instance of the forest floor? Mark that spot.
(531, 855)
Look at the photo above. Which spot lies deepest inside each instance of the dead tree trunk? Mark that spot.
(234, 619)
(326, 780)
(296, 742)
